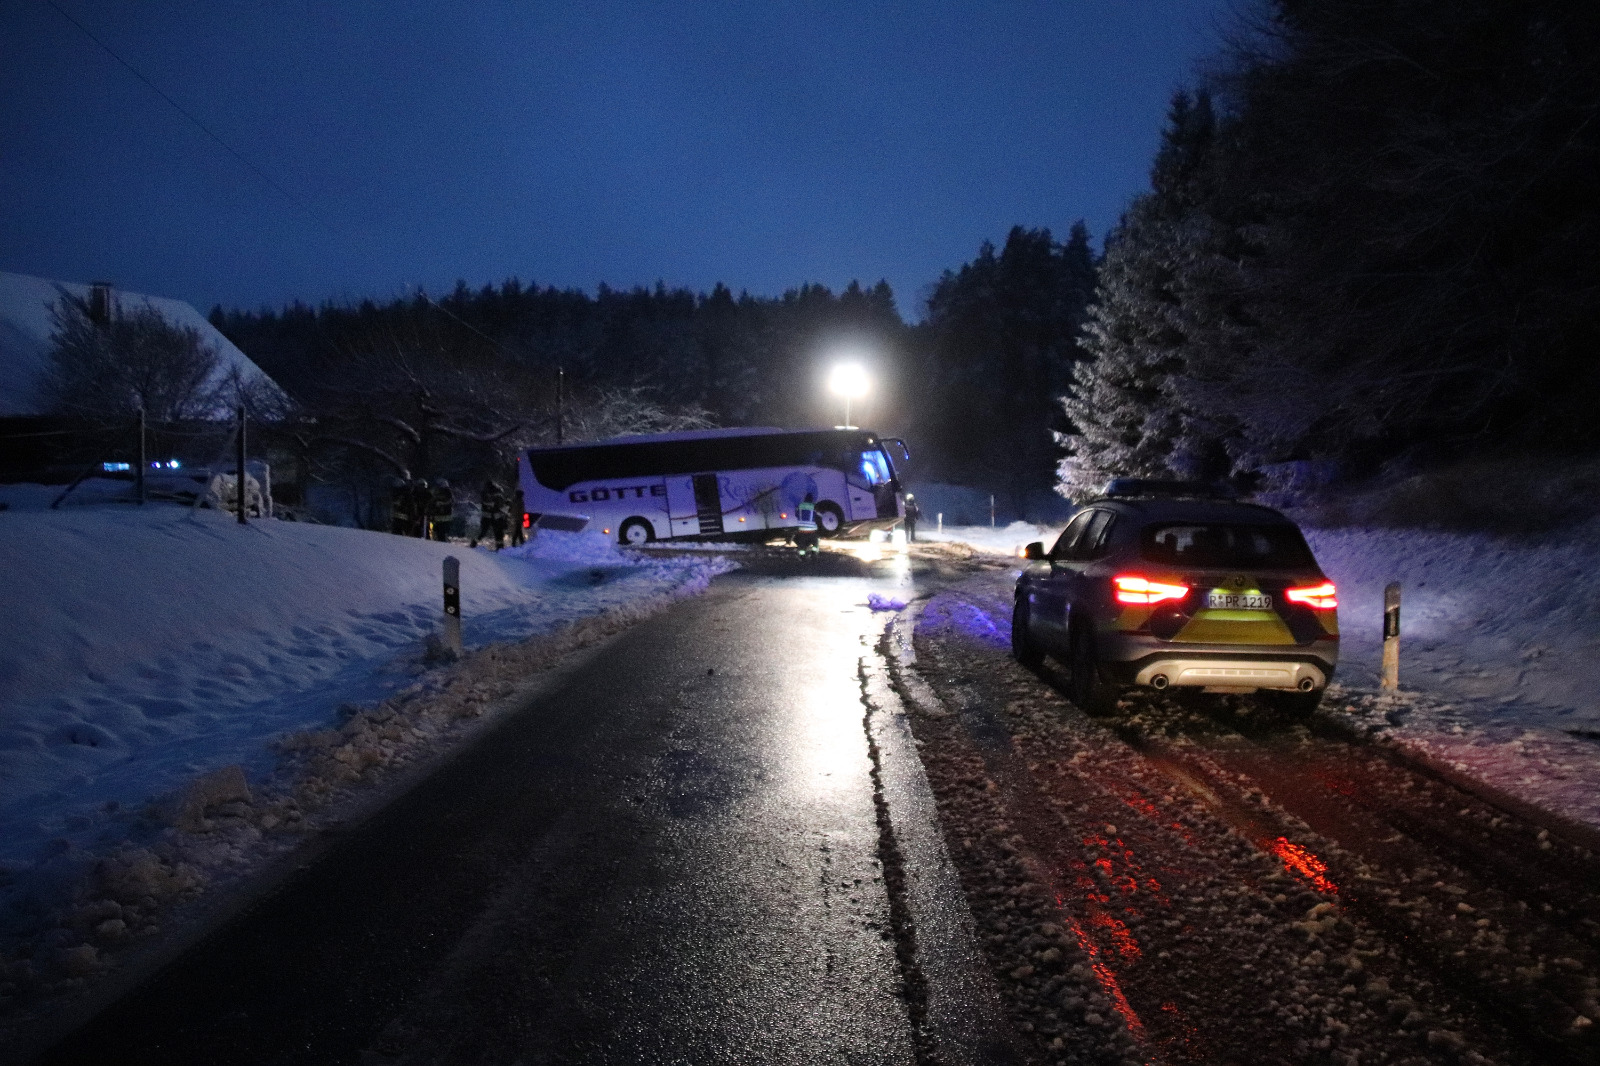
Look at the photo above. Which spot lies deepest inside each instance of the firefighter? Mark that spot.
(519, 507)
(441, 509)
(913, 512)
(493, 511)
(805, 537)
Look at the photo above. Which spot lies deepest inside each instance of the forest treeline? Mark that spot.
(1367, 245)
(452, 385)
(1368, 242)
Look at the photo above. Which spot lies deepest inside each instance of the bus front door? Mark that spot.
(696, 505)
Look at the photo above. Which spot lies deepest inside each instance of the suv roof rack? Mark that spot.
(1122, 488)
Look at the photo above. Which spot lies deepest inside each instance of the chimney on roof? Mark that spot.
(100, 307)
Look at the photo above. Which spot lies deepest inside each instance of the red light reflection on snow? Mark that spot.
(1298, 860)
(1129, 880)
(1184, 1036)
(1108, 980)
(1144, 807)
(1152, 812)
(1118, 932)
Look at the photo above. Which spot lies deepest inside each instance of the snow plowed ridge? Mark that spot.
(145, 646)
(1499, 651)
(1201, 879)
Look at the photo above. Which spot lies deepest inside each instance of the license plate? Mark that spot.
(1239, 601)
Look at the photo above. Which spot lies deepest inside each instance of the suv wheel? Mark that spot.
(1023, 649)
(1094, 695)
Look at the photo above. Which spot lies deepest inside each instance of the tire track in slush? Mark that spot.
(1210, 902)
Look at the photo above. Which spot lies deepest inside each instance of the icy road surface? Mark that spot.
(706, 845)
(794, 822)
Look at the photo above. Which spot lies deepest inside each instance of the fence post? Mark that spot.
(240, 496)
(144, 459)
(452, 604)
(941, 521)
(991, 510)
(1391, 637)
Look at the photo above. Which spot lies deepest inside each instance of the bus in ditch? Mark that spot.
(714, 484)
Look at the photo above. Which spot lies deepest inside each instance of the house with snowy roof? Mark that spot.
(26, 326)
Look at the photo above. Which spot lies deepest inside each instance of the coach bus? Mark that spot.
(715, 483)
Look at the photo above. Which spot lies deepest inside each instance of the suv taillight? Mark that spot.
(1323, 597)
(1130, 588)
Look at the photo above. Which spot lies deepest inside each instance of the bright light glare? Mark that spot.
(1134, 589)
(848, 380)
(1323, 597)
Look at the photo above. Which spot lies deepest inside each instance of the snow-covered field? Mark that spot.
(1500, 649)
(145, 646)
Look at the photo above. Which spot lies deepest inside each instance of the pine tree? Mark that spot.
(1125, 419)
(1003, 337)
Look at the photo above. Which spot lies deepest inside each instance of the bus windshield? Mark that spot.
(875, 467)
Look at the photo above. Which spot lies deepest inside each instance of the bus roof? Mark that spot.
(700, 452)
(687, 434)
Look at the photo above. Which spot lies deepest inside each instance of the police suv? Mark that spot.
(1168, 584)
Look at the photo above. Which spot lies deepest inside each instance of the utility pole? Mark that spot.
(240, 495)
(144, 461)
(561, 383)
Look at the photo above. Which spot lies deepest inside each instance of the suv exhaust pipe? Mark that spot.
(1306, 684)
(1159, 682)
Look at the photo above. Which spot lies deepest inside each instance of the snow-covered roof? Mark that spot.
(25, 328)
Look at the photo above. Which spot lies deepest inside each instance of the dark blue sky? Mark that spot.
(761, 143)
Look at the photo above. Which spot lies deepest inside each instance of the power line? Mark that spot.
(263, 175)
(446, 311)
(201, 126)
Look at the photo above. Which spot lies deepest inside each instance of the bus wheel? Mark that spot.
(830, 520)
(634, 532)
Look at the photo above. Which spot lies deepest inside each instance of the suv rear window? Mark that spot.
(1229, 547)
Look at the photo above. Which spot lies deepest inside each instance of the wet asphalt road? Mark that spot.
(675, 856)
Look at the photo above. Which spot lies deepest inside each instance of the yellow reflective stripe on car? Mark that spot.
(1211, 626)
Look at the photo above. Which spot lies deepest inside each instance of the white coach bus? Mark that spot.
(715, 483)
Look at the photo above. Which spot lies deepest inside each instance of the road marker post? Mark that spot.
(452, 605)
(1391, 637)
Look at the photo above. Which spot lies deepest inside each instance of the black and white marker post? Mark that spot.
(1391, 637)
(452, 605)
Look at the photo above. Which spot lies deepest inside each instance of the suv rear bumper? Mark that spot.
(1228, 675)
(1218, 667)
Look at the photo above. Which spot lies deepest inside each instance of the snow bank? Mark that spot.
(1512, 627)
(998, 540)
(1499, 654)
(145, 646)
